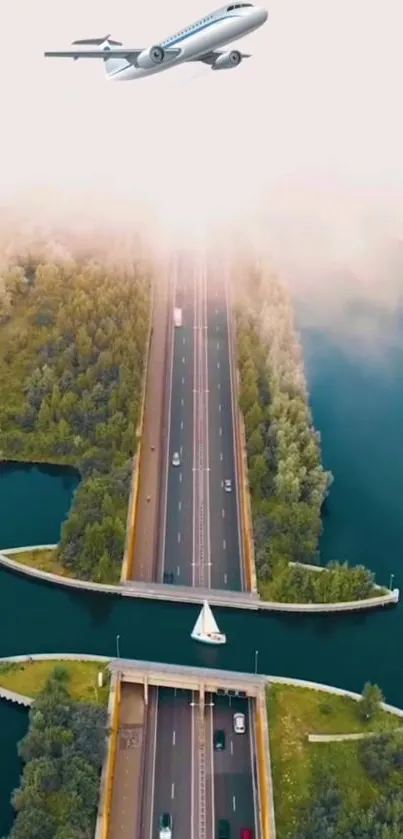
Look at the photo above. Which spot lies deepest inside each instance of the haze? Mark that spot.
(300, 148)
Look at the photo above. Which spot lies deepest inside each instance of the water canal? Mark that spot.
(358, 408)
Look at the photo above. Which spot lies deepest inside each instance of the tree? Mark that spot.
(371, 699)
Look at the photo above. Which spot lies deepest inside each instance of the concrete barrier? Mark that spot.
(187, 594)
(246, 507)
(263, 752)
(114, 708)
(17, 698)
(128, 558)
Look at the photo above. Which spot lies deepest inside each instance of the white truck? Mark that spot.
(177, 316)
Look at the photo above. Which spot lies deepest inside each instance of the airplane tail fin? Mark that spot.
(112, 65)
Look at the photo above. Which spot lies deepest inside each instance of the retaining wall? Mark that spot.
(264, 769)
(189, 595)
(128, 557)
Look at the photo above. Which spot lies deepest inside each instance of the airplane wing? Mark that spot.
(211, 57)
(122, 52)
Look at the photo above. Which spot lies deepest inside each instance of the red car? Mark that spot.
(246, 833)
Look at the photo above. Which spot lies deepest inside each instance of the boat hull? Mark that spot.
(208, 639)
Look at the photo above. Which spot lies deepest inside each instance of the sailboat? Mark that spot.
(206, 630)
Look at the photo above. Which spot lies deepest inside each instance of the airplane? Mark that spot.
(199, 41)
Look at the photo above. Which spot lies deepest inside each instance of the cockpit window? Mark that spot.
(230, 8)
(239, 6)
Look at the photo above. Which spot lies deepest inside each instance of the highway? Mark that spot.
(200, 546)
(227, 567)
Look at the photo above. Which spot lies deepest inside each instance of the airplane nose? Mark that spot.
(263, 15)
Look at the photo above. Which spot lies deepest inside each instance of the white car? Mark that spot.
(176, 459)
(239, 723)
(228, 485)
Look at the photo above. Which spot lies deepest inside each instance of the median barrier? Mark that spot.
(128, 558)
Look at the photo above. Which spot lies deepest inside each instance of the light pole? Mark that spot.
(392, 576)
(117, 646)
(256, 659)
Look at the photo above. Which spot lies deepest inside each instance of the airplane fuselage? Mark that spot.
(210, 33)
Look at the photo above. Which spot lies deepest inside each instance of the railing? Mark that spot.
(202, 775)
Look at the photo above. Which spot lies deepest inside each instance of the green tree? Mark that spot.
(371, 699)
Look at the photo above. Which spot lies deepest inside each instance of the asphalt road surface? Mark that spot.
(176, 768)
(233, 787)
(224, 530)
(201, 430)
(178, 543)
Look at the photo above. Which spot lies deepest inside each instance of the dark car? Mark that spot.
(223, 829)
(219, 740)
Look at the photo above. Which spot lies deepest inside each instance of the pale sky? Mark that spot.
(307, 135)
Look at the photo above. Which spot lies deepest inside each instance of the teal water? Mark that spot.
(34, 501)
(358, 407)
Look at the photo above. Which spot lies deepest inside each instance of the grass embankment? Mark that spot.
(46, 560)
(294, 713)
(29, 678)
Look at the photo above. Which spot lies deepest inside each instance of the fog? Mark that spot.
(298, 151)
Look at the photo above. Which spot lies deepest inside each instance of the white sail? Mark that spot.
(206, 629)
(199, 625)
(209, 622)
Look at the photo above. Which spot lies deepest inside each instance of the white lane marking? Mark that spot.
(183, 340)
(221, 455)
(178, 573)
(220, 431)
(181, 450)
(222, 484)
(219, 407)
(183, 359)
(219, 386)
(181, 425)
(173, 793)
(179, 537)
(218, 345)
(174, 738)
(218, 364)
(225, 579)
(182, 401)
(180, 505)
(231, 746)
(216, 311)
(216, 329)
(233, 802)
(180, 477)
(224, 544)
(223, 513)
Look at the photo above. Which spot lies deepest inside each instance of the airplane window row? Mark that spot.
(194, 25)
(239, 6)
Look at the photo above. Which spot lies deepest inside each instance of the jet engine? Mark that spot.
(227, 60)
(150, 58)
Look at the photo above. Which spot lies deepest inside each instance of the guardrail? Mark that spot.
(128, 559)
(111, 760)
(262, 747)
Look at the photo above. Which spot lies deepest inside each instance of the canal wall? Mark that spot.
(108, 768)
(187, 594)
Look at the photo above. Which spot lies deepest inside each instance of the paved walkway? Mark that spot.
(128, 768)
(338, 738)
(151, 462)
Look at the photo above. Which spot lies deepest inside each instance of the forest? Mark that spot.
(288, 484)
(328, 815)
(62, 752)
(73, 335)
